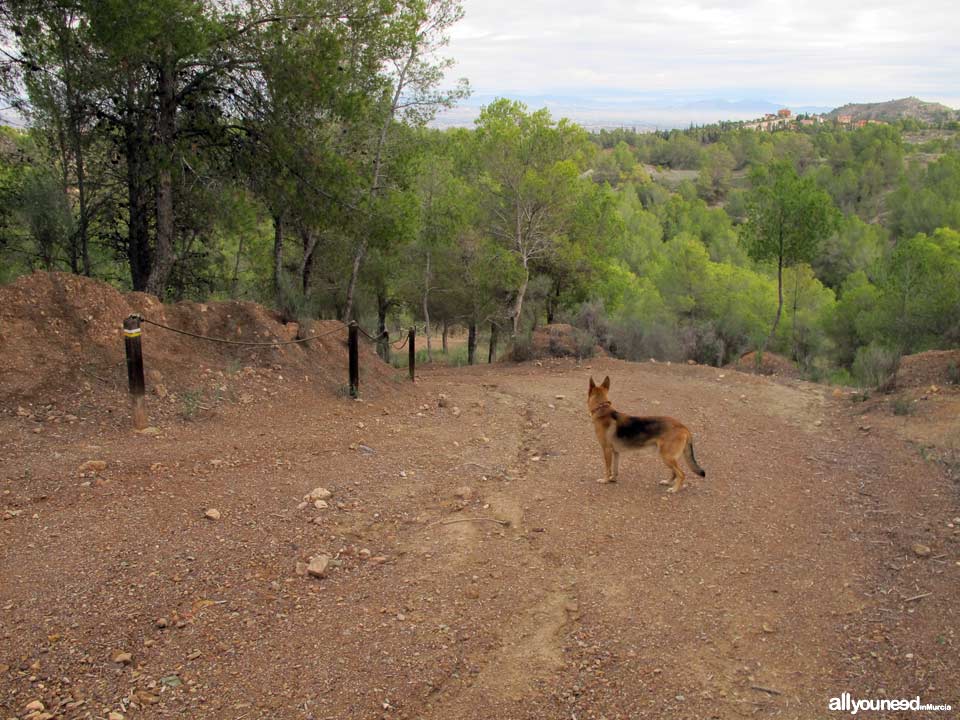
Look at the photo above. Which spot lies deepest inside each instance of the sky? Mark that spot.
(630, 54)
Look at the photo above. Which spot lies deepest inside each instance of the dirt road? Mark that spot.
(815, 558)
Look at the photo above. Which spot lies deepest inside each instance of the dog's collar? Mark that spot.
(601, 406)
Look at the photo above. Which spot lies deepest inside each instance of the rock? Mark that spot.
(464, 493)
(364, 554)
(921, 550)
(766, 628)
(318, 520)
(456, 411)
(148, 431)
(301, 568)
(443, 400)
(317, 567)
(320, 504)
(194, 655)
(94, 466)
(302, 505)
(34, 706)
(472, 592)
(161, 623)
(378, 560)
(115, 716)
(212, 514)
(122, 658)
(160, 391)
(318, 493)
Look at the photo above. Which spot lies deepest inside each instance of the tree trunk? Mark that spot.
(354, 276)
(310, 241)
(426, 307)
(492, 353)
(776, 320)
(472, 343)
(135, 144)
(166, 122)
(278, 259)
(518, 303)
(445, 329)
(383, 343)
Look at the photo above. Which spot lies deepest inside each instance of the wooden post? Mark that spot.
(354, 360)
(131, 341)
(413, 353)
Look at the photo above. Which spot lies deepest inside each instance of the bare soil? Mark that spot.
(477, 569)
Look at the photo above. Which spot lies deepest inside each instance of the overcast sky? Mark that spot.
(804, 52)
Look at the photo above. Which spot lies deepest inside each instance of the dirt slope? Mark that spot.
(782, 579)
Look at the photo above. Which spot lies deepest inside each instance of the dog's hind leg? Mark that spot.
(616, 466)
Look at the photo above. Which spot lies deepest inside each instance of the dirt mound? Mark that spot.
(557, 340)
(771, 364)
(59, 330)
(934, 367)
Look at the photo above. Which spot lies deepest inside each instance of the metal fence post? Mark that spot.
(131, 341)
(354, 360)
(413, 353)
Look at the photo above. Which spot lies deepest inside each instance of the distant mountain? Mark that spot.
(893, 110)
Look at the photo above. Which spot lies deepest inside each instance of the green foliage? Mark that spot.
(875, 367)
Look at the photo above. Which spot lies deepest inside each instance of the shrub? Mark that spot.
(875, 366)
(903, 406)
(522, 348)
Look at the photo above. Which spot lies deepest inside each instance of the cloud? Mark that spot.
(814, 52)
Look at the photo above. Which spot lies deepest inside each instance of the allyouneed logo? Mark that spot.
(846, 702)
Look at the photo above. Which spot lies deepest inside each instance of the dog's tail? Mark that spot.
(691, 460)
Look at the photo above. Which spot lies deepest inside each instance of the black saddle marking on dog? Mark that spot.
(635, 429)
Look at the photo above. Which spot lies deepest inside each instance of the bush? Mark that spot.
(875, 366)
(902, 406)
(522, 348)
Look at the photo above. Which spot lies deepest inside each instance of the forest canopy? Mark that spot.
(282, 152)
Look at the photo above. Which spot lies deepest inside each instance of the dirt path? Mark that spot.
(784, 578)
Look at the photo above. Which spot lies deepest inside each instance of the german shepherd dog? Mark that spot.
(618, 432)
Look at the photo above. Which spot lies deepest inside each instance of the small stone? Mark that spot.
(115, 716)
(302, 505)
(34, 706)
(767, 629)
(921, 550)
(160, 391)
(194, 655)
(320, 504)
(148, 431)
(148, 643)
(301, 568)
(456, 411)
(464, 493)
(212, 514)
(472, 592)
(443, 400)
(94, 466)
(122, 658)
(161, 623)
(378, 560)
(318, 493)
(365, 554)
(560, 397)
(317, 567)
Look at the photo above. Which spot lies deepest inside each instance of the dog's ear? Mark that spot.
(606, 383)
(592, 383)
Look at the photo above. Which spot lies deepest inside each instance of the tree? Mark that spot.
(716, 173)
(529, 176)
(787, 219)
(419, 32)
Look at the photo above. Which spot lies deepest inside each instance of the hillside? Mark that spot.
(892, 110)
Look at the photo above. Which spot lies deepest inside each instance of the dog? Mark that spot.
(618, 432)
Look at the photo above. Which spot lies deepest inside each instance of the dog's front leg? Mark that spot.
(608, 464)
(616, 466)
